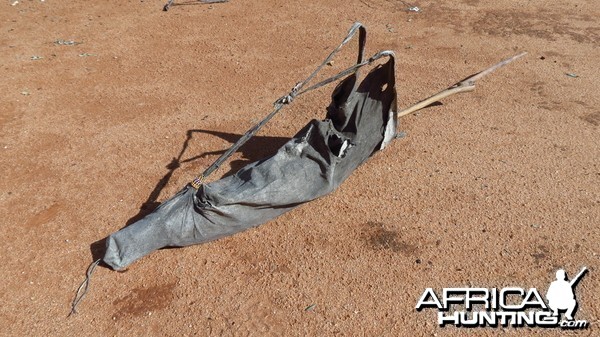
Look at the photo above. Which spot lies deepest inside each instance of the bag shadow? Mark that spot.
(257, 147)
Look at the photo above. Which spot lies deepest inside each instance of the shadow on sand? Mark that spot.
(256, 148)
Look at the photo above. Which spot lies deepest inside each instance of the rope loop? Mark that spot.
(83, 288)
(287, 99)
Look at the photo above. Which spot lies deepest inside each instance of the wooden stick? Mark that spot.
(465, 85)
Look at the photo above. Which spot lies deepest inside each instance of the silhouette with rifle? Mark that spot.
(561, 293)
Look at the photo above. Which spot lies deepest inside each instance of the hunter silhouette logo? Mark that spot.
(561, 294)
(510, 306)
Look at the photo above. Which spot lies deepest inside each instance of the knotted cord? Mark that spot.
(83, 288)
(297, 91)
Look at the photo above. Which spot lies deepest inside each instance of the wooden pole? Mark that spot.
(465, 85)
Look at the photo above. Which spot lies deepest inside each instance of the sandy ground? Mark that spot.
(495, 188)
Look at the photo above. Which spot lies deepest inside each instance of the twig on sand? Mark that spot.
(170, 3)
(465, 85)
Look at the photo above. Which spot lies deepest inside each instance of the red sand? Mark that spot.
(499, 187)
